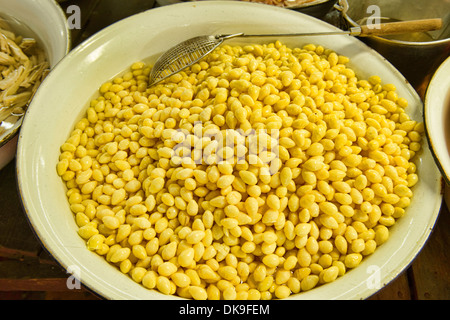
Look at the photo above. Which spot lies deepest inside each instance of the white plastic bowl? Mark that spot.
(48, 24)
(63, 99)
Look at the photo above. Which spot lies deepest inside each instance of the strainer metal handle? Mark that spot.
(192, 50)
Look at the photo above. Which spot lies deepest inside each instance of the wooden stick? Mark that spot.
(401, 27)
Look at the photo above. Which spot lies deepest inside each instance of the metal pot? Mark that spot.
(318, 8)
(417, 55)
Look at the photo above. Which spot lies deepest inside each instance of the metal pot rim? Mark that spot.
(343, 6)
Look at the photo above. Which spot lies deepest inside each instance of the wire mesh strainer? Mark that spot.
(184, 55)
(192, 50)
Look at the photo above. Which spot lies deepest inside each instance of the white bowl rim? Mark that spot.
(60, 253)
(436, 98)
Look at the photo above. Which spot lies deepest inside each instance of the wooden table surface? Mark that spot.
(29, 272)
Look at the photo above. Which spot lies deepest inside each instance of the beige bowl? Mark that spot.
(437, 117)
(437, 121)
(63, 98)
(45, 21)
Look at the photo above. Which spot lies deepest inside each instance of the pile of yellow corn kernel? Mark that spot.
(163, 184)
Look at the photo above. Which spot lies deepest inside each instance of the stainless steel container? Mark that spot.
(417, 55)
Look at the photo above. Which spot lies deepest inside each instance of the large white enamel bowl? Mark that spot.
(46, 21)
(63, 99)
